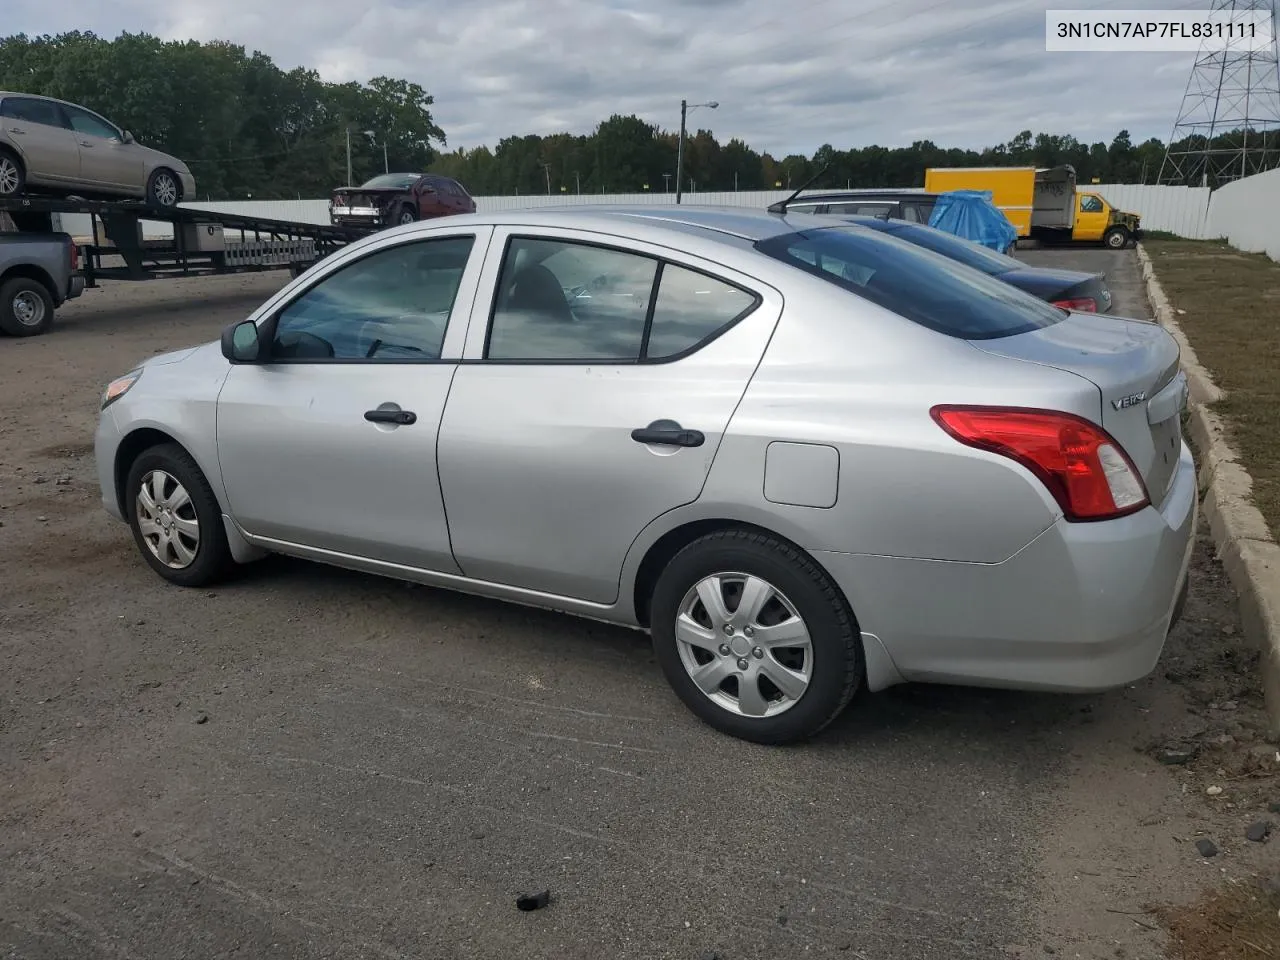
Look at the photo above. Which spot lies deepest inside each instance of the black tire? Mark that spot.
(406, 215)
(837, 667)
(1116, 238)
(164, 189)
(26, 307)
(13, 174)
(212, 559)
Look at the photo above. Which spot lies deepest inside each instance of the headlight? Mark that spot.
(118, 387)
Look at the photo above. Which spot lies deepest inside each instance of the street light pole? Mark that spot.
(684, 110)
(386, 167)
(348, 156)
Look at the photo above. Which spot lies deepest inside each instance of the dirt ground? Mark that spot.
(1227, 304)
(314, 763)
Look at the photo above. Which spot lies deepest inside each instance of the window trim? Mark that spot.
(268, 325)
(119, 133)
(640, 361)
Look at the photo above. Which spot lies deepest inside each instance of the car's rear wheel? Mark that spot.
(13, 176)
(755, 638)
(1116, 238)
(175, 517)
(163, 189)
(26, 307)
(407, 215)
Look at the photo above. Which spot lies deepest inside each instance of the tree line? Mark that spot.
(247, 128)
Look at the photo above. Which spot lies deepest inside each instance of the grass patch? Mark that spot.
(1235, 923)
(1232, 318)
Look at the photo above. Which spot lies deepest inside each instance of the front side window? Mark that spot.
(1090, 204)
(577, 302)
(82, 121)
(920, 285)
(393, 304)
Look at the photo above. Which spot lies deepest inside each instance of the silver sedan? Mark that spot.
(808, 458)
(53, 144)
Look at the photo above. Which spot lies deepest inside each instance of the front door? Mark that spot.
(105, 159)
(39, 128)
(591, 402)
(1091, 217)
(331, 443)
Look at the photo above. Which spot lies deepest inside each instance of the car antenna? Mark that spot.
(781, 205)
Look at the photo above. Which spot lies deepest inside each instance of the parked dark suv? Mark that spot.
(394, 198)
(915, 206)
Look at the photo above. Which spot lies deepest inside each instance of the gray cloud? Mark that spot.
(789, 77)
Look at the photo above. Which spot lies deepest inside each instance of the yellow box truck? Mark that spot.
(1043, 203)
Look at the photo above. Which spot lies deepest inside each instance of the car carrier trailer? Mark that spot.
(203, 241)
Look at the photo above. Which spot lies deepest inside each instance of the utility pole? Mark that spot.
(348, 155)
(386, 168)
(546, 168)
(684, 110)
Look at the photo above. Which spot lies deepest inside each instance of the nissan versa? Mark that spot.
(809, 458)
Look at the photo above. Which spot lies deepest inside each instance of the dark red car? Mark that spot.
(394, 198)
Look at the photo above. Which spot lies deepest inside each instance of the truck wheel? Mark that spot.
(13, 178)
(407, 215)
(1116, 238)
(26, 307)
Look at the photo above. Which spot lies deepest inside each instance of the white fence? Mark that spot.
(1185, 211)
(1247, 213)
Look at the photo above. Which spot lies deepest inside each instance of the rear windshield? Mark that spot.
(918, 284)
(956, 248)
(392, 181)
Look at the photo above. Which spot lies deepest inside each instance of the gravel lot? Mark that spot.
(315, 763)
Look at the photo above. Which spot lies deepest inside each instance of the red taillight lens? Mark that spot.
(1085, 469)
(1083, 304)
(75, 256)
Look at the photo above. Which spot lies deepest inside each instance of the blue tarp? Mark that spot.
(972, 215)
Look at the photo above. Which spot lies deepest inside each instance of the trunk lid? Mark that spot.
(1134, 365)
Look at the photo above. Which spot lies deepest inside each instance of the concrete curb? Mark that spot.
(1245, 545)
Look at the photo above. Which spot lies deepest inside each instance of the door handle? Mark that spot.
(402, 417)
(668, 432)
(85, 143)
(17, 130)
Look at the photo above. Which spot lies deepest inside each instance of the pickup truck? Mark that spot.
(39, 272)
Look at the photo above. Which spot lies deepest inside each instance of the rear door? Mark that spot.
(598, 379)
(40, 130)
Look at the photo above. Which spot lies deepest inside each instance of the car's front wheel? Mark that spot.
(407, 215)
(163, 189)
(1116, 238)
(175, 517)
(755, 638)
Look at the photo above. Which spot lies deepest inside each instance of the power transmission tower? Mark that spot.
(1229, 124)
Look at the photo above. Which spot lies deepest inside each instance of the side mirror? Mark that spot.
(240, 342)
(128, 137)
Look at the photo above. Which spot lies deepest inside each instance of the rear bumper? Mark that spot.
(348, 220)
(1083, 607)
(75, 286)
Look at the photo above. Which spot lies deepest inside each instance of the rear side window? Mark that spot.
(922, 286)
(32, 110)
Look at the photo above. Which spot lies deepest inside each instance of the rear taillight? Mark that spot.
(1083, 304)
(75, 257)
(1085, 469)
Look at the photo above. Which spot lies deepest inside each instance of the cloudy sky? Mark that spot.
(790, 75)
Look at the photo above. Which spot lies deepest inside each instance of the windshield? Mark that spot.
(956, 248)
(918, 284)
(392, 181)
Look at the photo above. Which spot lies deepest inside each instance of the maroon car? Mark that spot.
(394, 198)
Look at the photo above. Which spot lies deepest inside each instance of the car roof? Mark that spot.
(742, 223)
